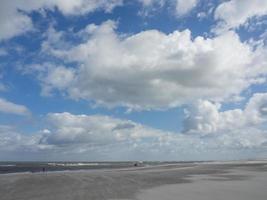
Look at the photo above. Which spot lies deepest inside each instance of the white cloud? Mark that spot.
(52, 76)
(11, 108)
(235, 13)
(85, 6)
(11, 140)
(12, 21)
(205, 117)
(154, 70)
(147, 2)
(94, 130)
(183, 7)
(15, 21)
(18, 146)
(206, 12)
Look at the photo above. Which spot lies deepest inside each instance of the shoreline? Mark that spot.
(232, 162)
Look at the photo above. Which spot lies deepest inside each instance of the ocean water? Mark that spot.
(17, 167)
(34, 167)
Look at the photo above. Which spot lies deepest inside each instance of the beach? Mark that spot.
(244, 180)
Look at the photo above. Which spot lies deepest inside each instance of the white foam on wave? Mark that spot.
(75, 164)
(6, 165)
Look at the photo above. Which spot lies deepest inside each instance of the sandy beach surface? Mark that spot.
(209, 181)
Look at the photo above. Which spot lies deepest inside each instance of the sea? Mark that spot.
(35, 167)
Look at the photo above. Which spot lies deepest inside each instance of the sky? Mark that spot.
(95, 80)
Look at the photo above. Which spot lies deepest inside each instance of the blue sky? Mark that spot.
(127, 80)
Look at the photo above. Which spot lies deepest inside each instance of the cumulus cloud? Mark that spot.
(94, 130)
(205, 117)
(12, 108)
(14, 19)
(154, 70)
(234, 13)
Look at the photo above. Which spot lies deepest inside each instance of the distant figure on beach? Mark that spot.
(43, 169)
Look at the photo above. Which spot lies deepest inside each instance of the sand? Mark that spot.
(209, 181)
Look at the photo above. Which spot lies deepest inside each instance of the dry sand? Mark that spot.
(209, 181)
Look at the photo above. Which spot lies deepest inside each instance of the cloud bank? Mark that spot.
(209, 134)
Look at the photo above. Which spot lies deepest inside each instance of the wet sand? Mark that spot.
(209, 181)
